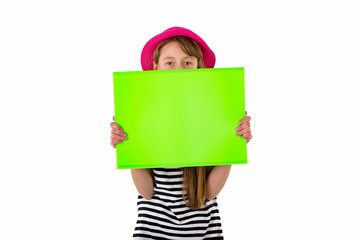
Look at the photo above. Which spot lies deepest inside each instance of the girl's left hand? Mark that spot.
(244, 128)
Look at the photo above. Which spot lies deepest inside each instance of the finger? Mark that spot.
(115, 141)
(116, 126)
(247, 135)
(245, 119)
(245, 113)
(113, 144)
(243, 126)
(118, 137)
(244, 131)
(113, 118)
(117, 131)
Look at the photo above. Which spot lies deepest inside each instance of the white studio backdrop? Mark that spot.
(58, 175)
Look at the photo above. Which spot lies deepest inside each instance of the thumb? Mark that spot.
(245, 113)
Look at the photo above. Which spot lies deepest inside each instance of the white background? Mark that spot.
(58, 173)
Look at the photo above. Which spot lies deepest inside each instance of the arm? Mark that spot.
(143, 182)
(216, 180)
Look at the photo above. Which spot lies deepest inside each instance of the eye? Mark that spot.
(169, 63)
(188, 63)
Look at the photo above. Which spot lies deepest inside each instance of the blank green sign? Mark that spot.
(180, 118)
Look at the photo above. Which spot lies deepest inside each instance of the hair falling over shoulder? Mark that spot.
(194, 185)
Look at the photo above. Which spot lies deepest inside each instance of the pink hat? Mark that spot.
(150, 46)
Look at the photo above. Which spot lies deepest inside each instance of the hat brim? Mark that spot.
(149, 48)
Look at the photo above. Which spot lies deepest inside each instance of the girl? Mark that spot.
(178, 203)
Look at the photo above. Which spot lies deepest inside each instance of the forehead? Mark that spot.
(173, 50)
(172, 47)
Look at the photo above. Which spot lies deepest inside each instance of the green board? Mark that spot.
(180, 118)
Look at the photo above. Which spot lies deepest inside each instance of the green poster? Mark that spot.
(180, 118)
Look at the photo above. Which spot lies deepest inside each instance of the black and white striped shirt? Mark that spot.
(165, 215)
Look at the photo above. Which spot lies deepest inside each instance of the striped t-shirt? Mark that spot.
(165, 215)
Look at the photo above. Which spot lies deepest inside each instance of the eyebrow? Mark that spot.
(174, 58)
(167, 58)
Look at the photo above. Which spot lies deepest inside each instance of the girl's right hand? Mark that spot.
(117, 134)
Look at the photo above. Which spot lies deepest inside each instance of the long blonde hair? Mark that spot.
(194, 185)
(194, 178)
